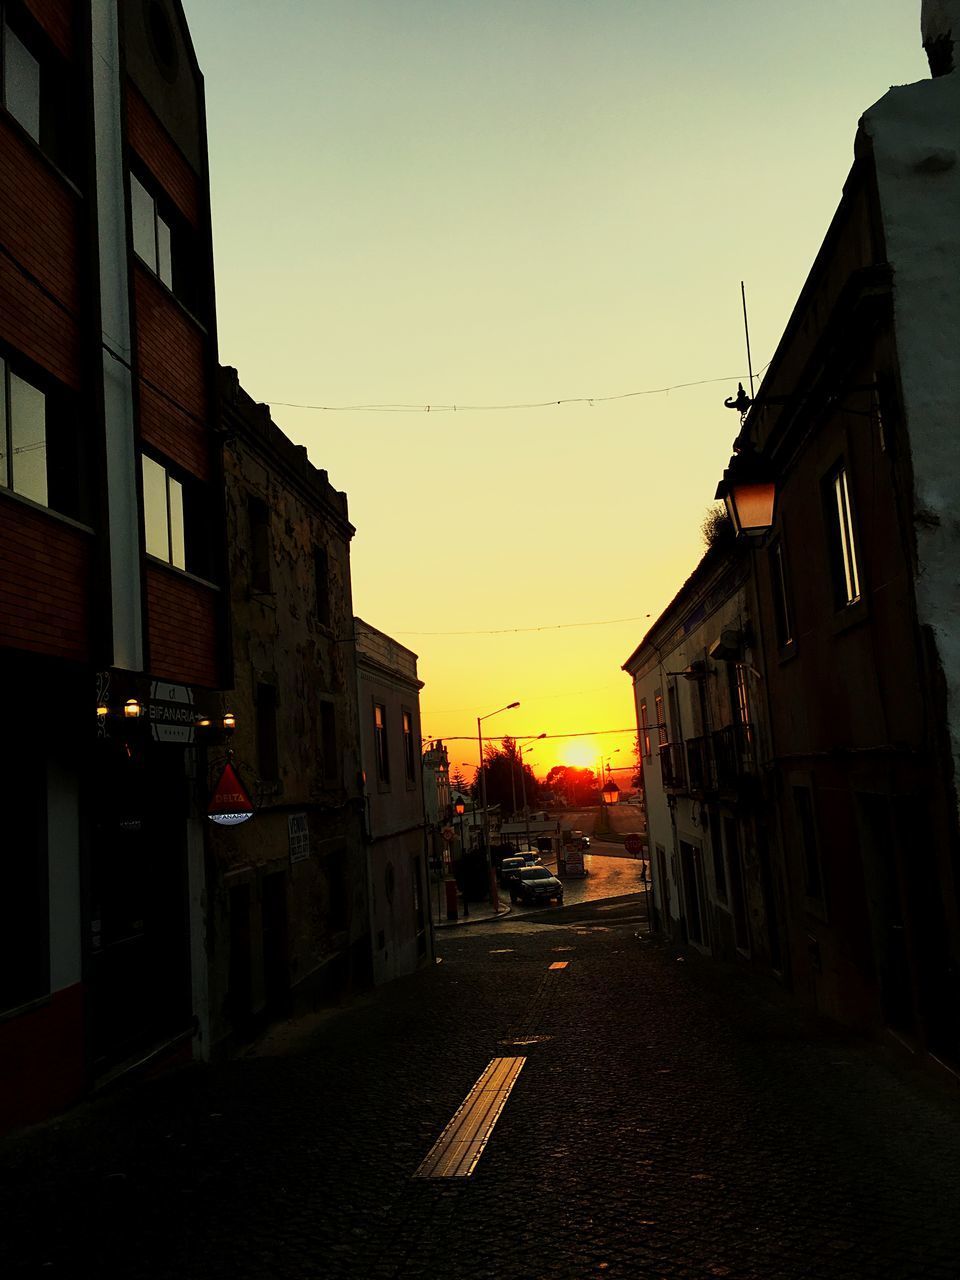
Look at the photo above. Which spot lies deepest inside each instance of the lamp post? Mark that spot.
(483, 794)
(523, 786)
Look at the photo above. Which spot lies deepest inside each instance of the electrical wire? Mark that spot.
(480, 408)
(503, 631)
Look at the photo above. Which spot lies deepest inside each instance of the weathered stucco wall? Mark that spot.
(914, 132)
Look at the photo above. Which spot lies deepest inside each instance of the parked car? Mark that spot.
(510, 868)
(535, 884)
(530, 858)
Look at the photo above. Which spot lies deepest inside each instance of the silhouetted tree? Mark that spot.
(502, 768)
(578, 787)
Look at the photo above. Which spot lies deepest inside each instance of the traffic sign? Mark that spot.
(448, 833)
(633, 845)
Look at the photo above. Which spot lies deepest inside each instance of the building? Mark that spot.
(113, 619)
(389, 699)
(705, 755)
(286, 892)
(854, 572)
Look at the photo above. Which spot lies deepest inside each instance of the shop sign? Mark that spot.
(171, 712)
(230, 803)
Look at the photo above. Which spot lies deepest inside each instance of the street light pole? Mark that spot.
(483, 786)
(523, 788)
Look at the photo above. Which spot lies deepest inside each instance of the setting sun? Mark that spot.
(583, 753)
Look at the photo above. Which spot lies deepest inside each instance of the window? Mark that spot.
(258, 518)
(38, 88)
(739, 693)
(380, 741)
(645, 730)
(267, 761)
(321, 576)
(164, 242)
(781, 600)
(176, 520)
(409, 754)
(23, 436)
(328, 740)
(163, 522)
(151, 232)
(43, 453)
(842, 542)
(661, 722)
(21, 82)
(809, 850)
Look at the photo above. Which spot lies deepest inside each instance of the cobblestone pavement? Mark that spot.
(677, 1121)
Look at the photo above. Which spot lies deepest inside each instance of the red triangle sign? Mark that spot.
(230, 803)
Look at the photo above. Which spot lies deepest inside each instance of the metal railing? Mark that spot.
(734, 753)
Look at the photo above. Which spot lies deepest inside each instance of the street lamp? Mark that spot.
(459, 808)
(748, 492)
(523, 785)
(483, 794)
(610, 792)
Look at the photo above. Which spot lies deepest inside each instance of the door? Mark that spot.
(690, 865)
(139, 940)
(273, 915)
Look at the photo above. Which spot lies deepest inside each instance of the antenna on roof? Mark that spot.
(746, 331)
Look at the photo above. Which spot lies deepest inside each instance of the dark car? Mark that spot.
(535, 884)
(510, 868)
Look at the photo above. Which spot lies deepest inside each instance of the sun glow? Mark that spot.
(582, 753)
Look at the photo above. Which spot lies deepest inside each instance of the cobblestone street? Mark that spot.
(671, 1120)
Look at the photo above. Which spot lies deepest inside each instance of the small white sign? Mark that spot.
(299, 836)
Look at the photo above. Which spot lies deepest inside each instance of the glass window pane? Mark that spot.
(177, 550)
(28, 439)
(164, 259)
(848, 538)
(21, 75)
(4, 460)
(144, 223)
(155, 509)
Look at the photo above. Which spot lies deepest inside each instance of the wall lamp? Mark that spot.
(748, 492)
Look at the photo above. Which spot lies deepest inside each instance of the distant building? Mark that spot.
(389, 698)
(704, 747)
(286, 891)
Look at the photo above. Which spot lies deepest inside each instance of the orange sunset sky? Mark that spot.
(452, 203)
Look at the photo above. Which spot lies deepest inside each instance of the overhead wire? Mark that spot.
(502, 631)
(431, 407)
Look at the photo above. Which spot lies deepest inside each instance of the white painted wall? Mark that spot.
(915, 132)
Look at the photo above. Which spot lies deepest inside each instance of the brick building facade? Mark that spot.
(113, 616)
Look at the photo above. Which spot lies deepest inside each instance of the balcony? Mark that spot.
(700, 768)
(734, 755)
(673, 771)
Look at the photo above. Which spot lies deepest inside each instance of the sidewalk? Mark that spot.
(480, 913)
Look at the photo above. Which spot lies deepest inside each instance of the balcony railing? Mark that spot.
(700, 769)
(735, 755)
(672, 766)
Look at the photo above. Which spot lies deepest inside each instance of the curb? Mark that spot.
(472, 919)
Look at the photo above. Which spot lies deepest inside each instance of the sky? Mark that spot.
(438, 203)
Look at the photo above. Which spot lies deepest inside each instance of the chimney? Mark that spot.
(940, 31)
